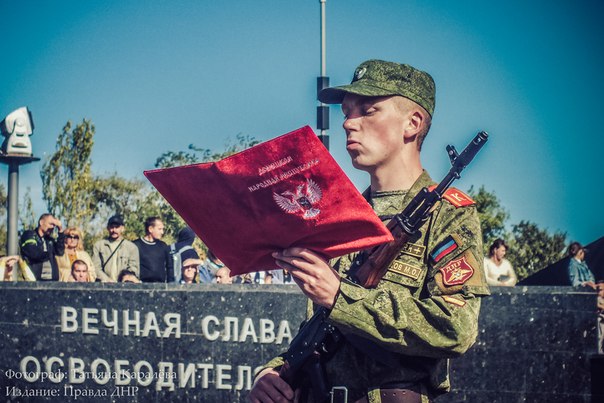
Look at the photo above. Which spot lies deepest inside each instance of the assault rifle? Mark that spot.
(318, 340)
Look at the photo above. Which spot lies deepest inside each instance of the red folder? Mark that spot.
(285, 192)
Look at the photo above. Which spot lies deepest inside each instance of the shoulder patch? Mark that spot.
(457, 272)
(405, 269)
(454, 301)
(441, 250)
(464, 272)
(456, 197)
(413, 249)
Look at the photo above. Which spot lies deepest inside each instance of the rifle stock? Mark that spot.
(318, 340)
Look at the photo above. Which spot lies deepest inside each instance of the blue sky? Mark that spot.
(157, 75)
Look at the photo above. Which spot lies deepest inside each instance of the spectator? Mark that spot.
(195, 267)
(209, 267)
(127, 276)
(39, 248)
(74, 250)
(223, 276)
(189, 272)
(80, 272)
(155, 261)
(13, 268)
(578, 272)
(181, 250)
(113, 254)
(498, 270)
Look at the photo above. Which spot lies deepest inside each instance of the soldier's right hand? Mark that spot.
(269, 387)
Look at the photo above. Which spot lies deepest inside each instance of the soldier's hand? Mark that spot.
(269, 387)
(311, 272)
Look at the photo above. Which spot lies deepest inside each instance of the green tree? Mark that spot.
(530, 247)
(27, 216)
(66, 178)
(492, 215)
(156, 205)
(533, 248)
(115, 195)
(198, 155)
(82, 199)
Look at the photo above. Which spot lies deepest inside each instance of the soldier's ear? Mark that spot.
(414, 123)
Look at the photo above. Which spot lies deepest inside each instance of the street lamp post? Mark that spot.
(323, 82)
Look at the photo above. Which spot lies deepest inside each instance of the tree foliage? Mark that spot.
(198, 155)
(492, 215)
(27, 216)
(530, 247)
(80, 198)
(66, 178)
(193, 155)
(533, 248)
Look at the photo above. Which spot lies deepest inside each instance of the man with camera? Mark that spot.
(39, 248)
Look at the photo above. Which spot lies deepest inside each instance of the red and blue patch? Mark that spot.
(443, 249)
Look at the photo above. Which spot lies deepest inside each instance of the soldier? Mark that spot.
(399, 335)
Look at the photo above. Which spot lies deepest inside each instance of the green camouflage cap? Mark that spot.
(377, 78)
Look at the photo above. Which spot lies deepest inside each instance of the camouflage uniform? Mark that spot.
(424, 310)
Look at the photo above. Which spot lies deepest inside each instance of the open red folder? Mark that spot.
(285, 192)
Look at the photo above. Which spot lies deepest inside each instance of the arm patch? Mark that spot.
(456, 197)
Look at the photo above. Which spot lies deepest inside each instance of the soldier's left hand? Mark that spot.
(311, 272)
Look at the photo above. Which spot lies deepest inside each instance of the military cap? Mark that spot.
(377, 78)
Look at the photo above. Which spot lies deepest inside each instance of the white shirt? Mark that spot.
(502, 275)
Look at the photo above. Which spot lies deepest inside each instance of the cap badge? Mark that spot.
(303, 199)
(360, 73)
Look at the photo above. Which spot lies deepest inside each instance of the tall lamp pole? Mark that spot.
(323, 82)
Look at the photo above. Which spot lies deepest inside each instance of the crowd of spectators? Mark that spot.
(51, 253)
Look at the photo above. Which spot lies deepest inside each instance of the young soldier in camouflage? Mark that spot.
(398, 336)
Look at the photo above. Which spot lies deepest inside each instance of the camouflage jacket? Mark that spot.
(424, 310)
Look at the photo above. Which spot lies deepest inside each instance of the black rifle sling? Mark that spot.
(110, 256)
